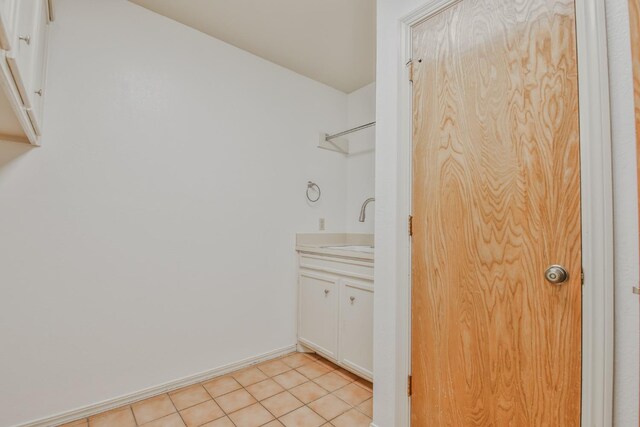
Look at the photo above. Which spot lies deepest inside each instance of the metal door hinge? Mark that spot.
(410, 225)
(409, 386)
(582, 277)
(409, 65)
(636, 291)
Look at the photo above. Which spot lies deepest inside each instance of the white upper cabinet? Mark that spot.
(24, 27)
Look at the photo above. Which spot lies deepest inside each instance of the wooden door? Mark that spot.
(496, 201)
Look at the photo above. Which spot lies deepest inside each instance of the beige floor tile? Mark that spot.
(264, 389)
(251, 416)
(274, 367)
(353, 394)
(296, 359)
(121, 417)
(331, 381)
(281, 404)
(219, 386)
(249, 376)
(366, 408)
(79, 423)
(235, 400)
(189, 396)
(308, 392)
(172, 420)
(271, 394)
(201, 413)
(152, 409)
(329, 406)
(302, 417)
(220, 422)
(352, 418)
(313, 370)
(290, 379)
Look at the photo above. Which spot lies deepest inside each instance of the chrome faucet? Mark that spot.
(364, 207)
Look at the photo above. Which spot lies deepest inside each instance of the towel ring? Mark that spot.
(311, 185)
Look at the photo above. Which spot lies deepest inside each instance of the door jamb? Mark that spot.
(596, 210)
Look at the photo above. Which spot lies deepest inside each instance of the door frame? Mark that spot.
(596, 209)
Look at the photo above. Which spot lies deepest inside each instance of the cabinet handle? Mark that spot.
(26, 39)
(352, 299)
(38, 92)
(326, 292)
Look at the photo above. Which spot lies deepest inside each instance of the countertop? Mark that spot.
(317, 243)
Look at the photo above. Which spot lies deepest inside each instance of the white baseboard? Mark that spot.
(300, 348)
(130, 398)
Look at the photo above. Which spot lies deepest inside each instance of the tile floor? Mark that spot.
(297, 390)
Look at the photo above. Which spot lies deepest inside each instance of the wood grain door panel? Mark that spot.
(496, 200)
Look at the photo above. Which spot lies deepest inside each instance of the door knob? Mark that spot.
(556, 274)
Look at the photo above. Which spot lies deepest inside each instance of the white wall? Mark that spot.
(390, 220)
(627, 345)
(152, 236)
(361, 162)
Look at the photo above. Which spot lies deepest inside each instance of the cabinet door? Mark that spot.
(21, 58)
(36, 85)
(318, 313)
(356, 332)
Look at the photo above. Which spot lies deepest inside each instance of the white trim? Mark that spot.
(597, 208)
(128, 399)
(597, 214)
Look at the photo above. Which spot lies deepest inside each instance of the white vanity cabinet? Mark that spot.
(24, 26)
(335, 311)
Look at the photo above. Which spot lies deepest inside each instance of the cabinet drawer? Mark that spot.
(344, 267)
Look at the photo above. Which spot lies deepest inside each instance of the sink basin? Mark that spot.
(354, 248)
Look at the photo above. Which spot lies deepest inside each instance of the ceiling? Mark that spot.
(331, 41)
